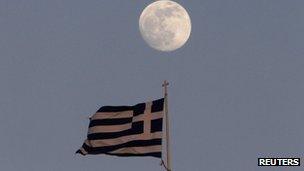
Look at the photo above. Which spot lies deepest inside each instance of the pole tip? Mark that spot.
(166, 83)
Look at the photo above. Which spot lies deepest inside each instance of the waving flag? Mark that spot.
(126, 130)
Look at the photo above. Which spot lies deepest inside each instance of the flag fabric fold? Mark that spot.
(126, 130)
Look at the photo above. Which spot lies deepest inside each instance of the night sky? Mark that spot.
(236, 88)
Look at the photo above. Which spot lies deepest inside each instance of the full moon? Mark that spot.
(165, 25)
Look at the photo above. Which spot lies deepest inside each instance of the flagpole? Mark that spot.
(168, 159)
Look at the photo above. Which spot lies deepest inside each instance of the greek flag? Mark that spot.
(126, 130)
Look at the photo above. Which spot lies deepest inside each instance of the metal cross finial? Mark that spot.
(165, 83)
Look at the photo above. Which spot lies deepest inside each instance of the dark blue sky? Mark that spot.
(236, 88)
